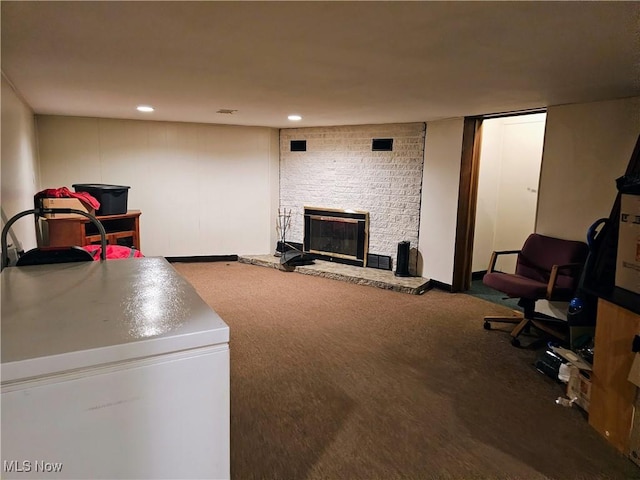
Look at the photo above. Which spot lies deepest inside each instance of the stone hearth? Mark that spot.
(346, 273)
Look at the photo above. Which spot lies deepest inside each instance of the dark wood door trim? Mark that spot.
(467, 198)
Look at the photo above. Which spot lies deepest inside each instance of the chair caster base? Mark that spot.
(487, 325)
(515, 342)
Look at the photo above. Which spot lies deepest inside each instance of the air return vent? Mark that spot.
(383, 262)
(298, 145)
(382, 144)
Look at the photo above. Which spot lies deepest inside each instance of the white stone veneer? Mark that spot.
(339, 170)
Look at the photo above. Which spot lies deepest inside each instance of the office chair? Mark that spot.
(39, 256)
(547, 268)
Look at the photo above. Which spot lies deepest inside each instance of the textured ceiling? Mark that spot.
(334, 63)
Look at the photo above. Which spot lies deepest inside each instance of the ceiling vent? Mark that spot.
(227, 111)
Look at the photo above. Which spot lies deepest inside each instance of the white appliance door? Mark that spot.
(165, 416)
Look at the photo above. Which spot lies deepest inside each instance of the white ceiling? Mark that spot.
(335, 63)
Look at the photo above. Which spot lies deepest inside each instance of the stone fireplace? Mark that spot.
(342, 235)
(340, 170)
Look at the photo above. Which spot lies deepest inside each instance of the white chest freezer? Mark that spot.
(114, 370)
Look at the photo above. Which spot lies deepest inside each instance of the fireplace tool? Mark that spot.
(289, 255)
(283, 222)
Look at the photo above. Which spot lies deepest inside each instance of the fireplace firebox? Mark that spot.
(340, 235)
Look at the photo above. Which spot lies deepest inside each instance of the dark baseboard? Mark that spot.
(424, 288)
(439, 285)
(203, 258)
(478, 275)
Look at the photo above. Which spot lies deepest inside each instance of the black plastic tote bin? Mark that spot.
(112, 198)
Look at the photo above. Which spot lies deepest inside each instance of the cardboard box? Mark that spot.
(65, 203)
(573, 358)
(634, 437)
(628, 256)
(579, 387)
(634, 373)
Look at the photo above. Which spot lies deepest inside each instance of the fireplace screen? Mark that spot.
(334, 235)
(339, 234)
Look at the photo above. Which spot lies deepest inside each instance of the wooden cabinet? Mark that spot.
(612, 396)
(123, 229)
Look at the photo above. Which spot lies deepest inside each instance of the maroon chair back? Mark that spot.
(539, 254)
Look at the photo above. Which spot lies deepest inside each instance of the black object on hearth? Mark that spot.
(402, 262)
(294, 258)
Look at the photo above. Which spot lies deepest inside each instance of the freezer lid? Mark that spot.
(62, 317)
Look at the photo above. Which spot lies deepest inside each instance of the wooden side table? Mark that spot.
(123, 229)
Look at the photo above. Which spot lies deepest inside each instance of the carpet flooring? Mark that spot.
(480, 290)
(331, 380)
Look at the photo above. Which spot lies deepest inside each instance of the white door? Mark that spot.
(507, 186)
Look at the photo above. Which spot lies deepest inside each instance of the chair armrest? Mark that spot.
(494, 257)
(554, 276)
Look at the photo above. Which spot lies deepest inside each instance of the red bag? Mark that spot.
(114, 252)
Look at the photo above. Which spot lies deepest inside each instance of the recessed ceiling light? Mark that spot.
(294, 118)
(145, 108)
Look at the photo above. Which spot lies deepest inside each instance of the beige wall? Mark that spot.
(210, 189)
(202, 189)
(439, 208)
(587, 146)
(19, 171)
